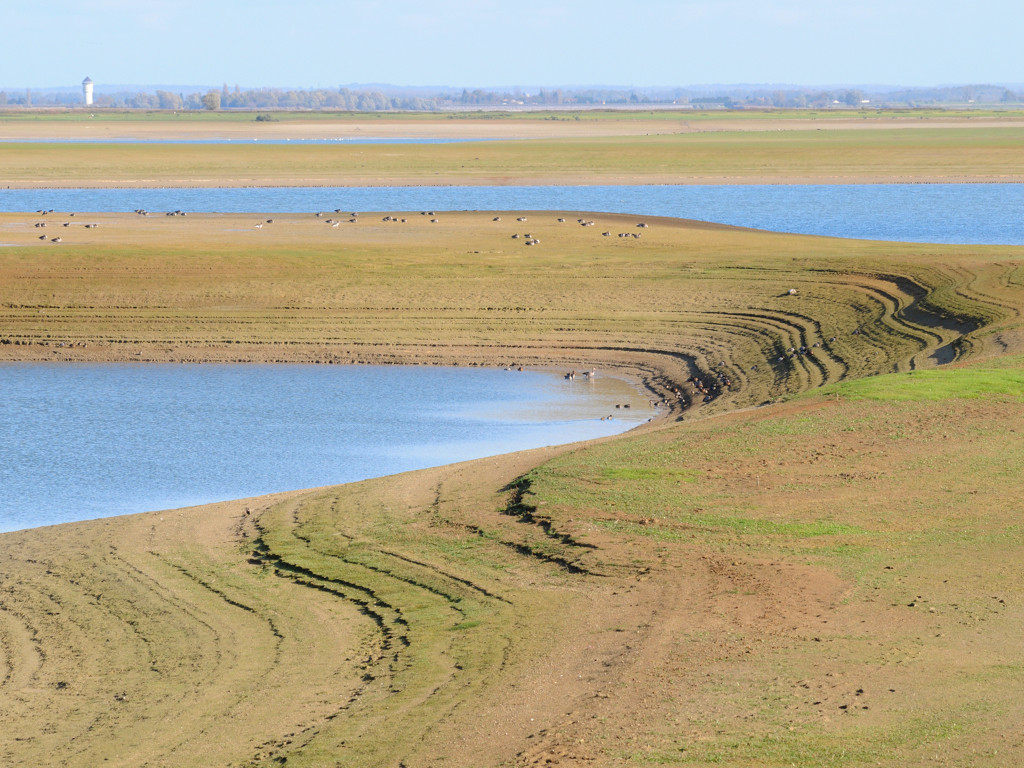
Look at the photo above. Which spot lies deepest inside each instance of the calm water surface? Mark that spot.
(80, 441)
(939, 213)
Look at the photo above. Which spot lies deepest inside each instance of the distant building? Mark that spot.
(87, 91)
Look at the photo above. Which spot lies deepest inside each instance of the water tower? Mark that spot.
(87, 90)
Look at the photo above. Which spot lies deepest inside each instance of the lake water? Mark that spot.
(940, 213)
(80, 441)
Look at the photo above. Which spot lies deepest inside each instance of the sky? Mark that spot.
(488, 43)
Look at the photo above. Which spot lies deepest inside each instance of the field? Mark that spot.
(809, 560)
(553, 148)
(679, 297)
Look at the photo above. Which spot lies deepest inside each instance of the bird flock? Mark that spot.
(341, 216)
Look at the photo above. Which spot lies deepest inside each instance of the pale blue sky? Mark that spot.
(309, 43)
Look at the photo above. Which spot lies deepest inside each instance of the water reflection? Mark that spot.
(82, 441)
(937, 213)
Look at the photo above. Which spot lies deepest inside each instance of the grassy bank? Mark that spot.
(824, 580)
(682, 297)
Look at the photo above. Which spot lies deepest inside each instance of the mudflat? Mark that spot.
(497, 288)
(803, 561)
(809, 560)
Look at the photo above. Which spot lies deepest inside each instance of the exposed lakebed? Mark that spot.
(83, 441)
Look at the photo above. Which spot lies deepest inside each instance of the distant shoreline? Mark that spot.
(607, 148)
(562, 180)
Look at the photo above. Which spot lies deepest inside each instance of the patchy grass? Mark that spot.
(699, 298)
(942, 152)
(772, 580)
(941, 384)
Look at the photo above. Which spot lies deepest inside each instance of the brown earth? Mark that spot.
(825, 580)
(427, 619)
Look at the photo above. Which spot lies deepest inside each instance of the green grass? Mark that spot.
(939, 384)
(650, 473)
(809, 746)
(743, 525)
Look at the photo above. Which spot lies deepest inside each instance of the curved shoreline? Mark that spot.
(659, 381)
(572, 422)
(547, 604)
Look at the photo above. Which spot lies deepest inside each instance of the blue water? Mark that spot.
(80, 441)
(940, 213)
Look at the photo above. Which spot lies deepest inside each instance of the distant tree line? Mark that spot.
(399, 99)
(343, 99)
